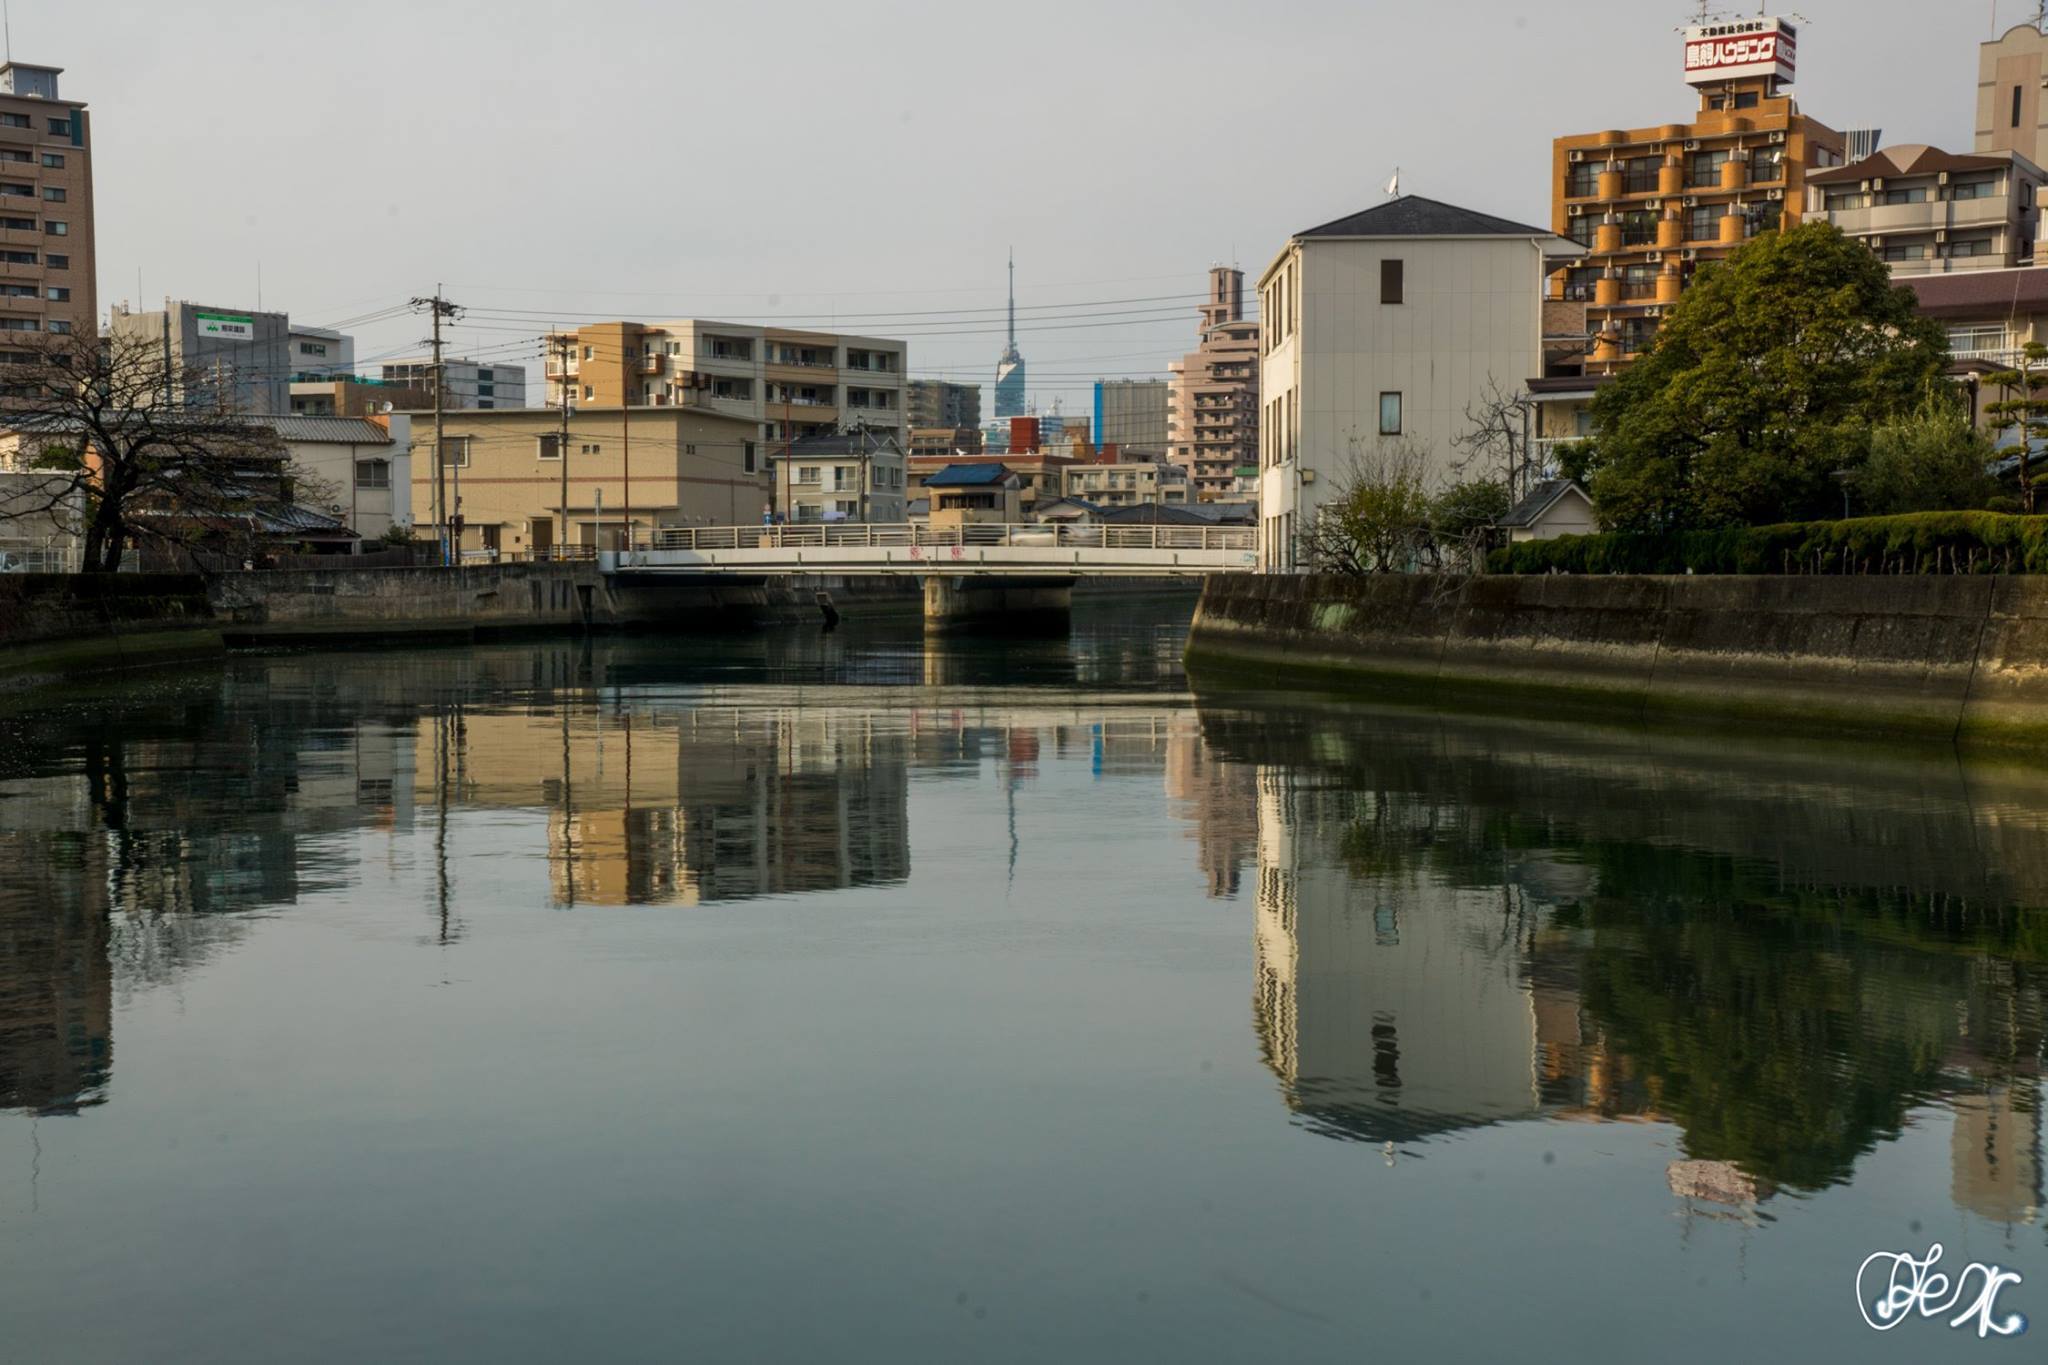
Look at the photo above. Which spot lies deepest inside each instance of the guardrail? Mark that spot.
(866, 535)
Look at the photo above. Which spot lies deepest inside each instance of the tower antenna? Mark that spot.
(7, 20)
(1013, 291)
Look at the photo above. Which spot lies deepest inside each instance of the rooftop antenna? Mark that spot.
(1013, 297)
(7, 20)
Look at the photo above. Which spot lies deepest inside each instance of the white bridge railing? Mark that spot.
(862, 535)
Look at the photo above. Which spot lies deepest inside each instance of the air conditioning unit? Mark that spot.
(1654, 204)
(1778, 138)
(1776, 195)
(1575, 211)
(1941, 179)
(1655, 258)
(1877, 184)
(1689, 254)
(1578, 156)
(1941, 234)
(1692, 145)
(1692, 201)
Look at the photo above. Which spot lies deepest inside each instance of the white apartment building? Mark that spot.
(857, 475)
(1129, 483)
(471, 385)
(1929, 212)
(793, 384)
(1386, 325)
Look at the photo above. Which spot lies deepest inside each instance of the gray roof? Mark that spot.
(339, 431)
(1540, 499)
(866, 441)
(1413, 216)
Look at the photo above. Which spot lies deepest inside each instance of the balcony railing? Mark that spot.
(820, 535)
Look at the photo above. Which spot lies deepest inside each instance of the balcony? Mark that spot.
(653, 364)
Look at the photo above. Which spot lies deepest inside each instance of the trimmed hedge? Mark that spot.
(1920, 543)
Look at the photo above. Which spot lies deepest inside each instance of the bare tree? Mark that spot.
(1377, 521)
(1495, 446)
(105, 422)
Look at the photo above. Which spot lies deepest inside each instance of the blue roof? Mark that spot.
(968, 476)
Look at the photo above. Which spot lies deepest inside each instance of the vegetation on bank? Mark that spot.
(1916, 543)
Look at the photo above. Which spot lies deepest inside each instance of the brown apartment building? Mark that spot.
(1652, 205)
(1213, 394)
(46, 221)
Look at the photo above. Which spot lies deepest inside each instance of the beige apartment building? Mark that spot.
(790, 384)
(2011, 113)
(1651, 205)
(46, 208)
(1213, 393)
(1926, 211)
(1128, 483)
(505, 471)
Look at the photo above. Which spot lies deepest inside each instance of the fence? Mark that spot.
(864, 535)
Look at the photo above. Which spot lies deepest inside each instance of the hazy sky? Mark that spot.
(835, 162)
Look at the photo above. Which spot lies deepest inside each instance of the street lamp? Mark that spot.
(1844, 477)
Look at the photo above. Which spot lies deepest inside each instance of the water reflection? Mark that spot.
(1783, 954)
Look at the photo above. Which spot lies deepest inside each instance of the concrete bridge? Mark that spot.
(976, 571)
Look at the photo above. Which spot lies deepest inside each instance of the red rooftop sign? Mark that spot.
(1739, 48)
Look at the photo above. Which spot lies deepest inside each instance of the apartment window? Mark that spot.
(18, 188)
(57, 293)
(548, 447)
(22, 121)
(1582, 180)
(807, 474)
(1702, 223)
(1968, 339)
(747, 456)
(1581, 229)
(18, 257)
(373, 473)
(15, 154)
(1703, 169)
(1641, 174)
(1766, 165)
(53, 260)
(54, 160)
(61, 127)
(588, 393)
(1639, 228)
(2015, 106)
(1390, 281)
(53, 194)
(56, 229)
(1579, 283)
(1973, 246)
(312, 348)
(1915, 195)
(1746, 99)
(19, 325)
(590, 448)
(486, 376)
(1903, 251)
(60, 327)
(1768, 218)
(1639, 282)
(1390, 414)
(588, 353)
(1838, 200)
(458, 451)
(1978, 187)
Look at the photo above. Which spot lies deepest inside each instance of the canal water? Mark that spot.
(817, 997)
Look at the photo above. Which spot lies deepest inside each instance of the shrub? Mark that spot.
(1922, 542)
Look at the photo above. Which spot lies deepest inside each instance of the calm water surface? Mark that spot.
(812, 998)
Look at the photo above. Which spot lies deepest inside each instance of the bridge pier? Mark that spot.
(989, 603)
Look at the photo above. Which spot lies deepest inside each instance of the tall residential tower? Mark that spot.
(46, 221)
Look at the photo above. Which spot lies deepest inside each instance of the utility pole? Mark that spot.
(565, 346)
(443, 517)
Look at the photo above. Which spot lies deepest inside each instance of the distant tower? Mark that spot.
(1010, 369)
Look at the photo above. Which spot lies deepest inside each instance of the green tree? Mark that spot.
(2023, 412)
(1930, 460)
(1378, 521)
(1767, 378)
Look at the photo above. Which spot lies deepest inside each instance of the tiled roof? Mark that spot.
(340, 431)
(1540, 499)
(1911, 158)
(968, 476)
(1413, 216)
(1981, 294)
(866, 441)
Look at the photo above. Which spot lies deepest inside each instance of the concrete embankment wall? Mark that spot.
(56, 625)
(1940, 657)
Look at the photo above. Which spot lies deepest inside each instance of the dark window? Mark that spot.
(2015, 106)
(1745, 99)
(14, 120)
(54, 160)
(57, 262)
(1642, 174)
(1581, 229)
(1390, 281)
(1582, 181)
(61, 127)
(1702, 223)
(1390, 414)
(750, 456)
(550, 447)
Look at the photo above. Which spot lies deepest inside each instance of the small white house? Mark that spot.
(365, 463)
(1554, 507)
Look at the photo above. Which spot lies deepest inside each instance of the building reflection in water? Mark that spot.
(1459, 925)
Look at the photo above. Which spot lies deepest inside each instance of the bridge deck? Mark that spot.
(991, 549)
